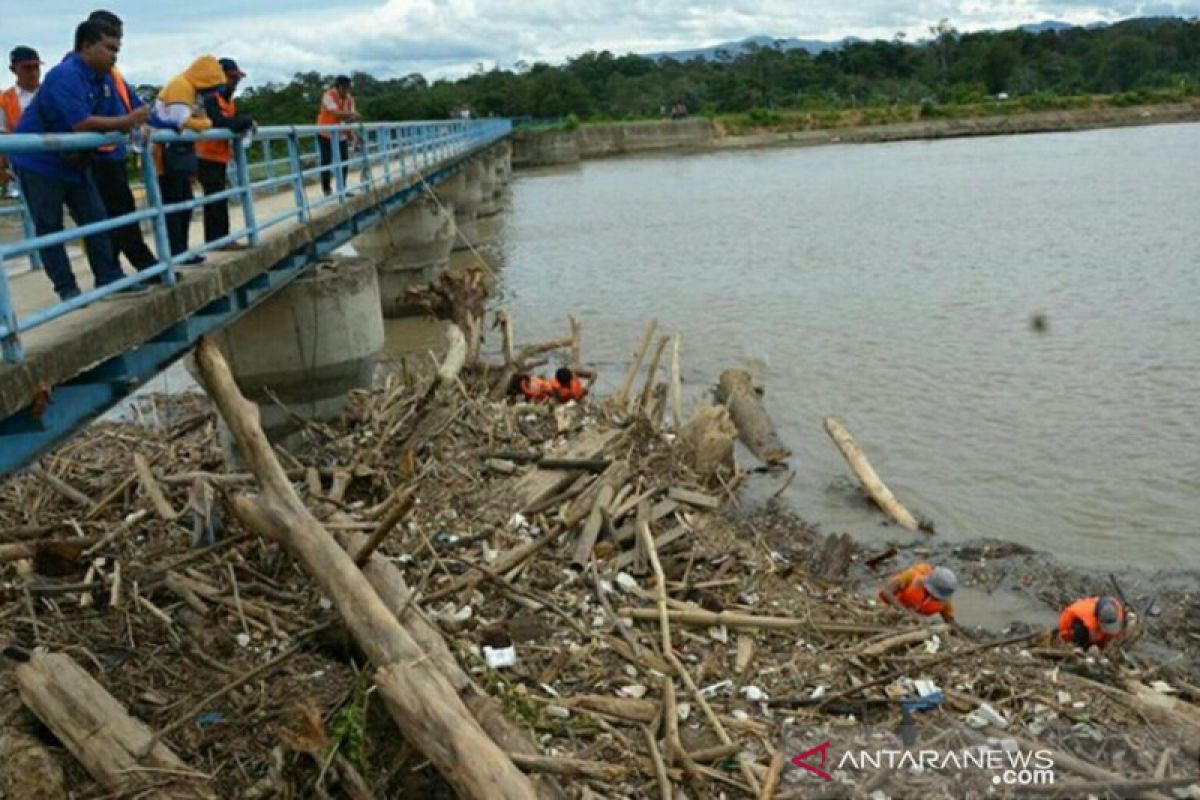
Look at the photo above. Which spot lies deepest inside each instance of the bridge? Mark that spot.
(64, 363)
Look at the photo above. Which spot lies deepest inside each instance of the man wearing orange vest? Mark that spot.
(337, 107)
(922, 590)
(25, 63)
(1092, 621)
(108, 166)
(564, 388)
(215, 155)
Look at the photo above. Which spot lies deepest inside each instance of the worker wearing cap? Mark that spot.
(922, 590)
(216, 154)
(1092, 621)
(27, 66)
(337, 108)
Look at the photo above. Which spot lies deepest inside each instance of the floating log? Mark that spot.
(871, 482)
(736, 390)
(101, 735)
(423, 704)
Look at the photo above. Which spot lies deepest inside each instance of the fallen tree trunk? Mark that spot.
(875, 488)
(395, 593)
(425, 707)
(101, 735)
(755, 429)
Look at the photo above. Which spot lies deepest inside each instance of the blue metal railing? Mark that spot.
(382, 153)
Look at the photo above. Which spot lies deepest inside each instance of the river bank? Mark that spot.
(539, 148)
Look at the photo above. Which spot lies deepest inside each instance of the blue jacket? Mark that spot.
(70, 93)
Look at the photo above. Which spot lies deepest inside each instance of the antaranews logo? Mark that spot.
(1007, 766)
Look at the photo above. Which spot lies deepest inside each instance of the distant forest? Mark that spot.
(1158, 57)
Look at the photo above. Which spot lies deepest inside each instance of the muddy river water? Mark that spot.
(894, 285)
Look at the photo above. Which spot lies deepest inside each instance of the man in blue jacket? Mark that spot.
(73, 99)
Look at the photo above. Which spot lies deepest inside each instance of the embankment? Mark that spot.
(547, 148)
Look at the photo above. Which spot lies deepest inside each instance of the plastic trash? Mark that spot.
(992, 716)
(498, 657)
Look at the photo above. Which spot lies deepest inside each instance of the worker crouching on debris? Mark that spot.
(1092, 621)
(564, 388)
(922, 590)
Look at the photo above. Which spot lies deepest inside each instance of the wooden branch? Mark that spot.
(771, 782)
(899, 640)
(697, 499)
(730, 619)
(755, 429)
(62, 487)
(423, 704)
(652, 375)
(665, 790)
(150, 486)
(506, 336)
(622, 397)
(676, 388)
(581, 556)
(398, 512)
(576, 343)
(870, 480)
(101, 735)
(574, 767)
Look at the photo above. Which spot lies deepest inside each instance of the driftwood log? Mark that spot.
(736, 390)
(101, 734)
(425, 707)
(872, 484)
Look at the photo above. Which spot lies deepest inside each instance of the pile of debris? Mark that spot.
(452, 593)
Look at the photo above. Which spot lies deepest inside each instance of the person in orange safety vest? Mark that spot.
(922, 590)
(25, 63)
(214, 155)
(337, 108)
(564, 388)
(1092, 621)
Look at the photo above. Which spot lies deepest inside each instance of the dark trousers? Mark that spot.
(216, 215)
(46, 198)
(177, 187)
(327, 159)
(113, 183)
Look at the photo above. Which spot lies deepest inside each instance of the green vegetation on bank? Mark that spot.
(951, 74)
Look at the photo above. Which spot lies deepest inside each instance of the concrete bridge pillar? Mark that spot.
(491, 203)
(411, 247)
(465, 192)
(308, 345)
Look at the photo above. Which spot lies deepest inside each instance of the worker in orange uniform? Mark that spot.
(1092, 621)
(922, 590)
(564, 388)
(216, 154)
(25, 63)
(337, 108)
(179, 107)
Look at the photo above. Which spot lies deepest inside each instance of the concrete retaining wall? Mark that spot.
(546, 148)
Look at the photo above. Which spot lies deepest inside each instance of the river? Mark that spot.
(894, 285)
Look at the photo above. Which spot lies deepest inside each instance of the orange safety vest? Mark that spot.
(915, 597)
(12, 108)
(573, 391)
(218, 150)
(1085, 611)
(123, 96)
(327, 117)
(537, 389)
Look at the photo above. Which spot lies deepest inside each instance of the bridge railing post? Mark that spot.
(365, 176)
(242, 164)
(384, 136)
(268, 158)
(162, 245)
(35, 257)
(297, 168)
(335, 148)
(10, 342)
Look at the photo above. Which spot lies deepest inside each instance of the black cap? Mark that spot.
(22, 54)
(341, 80)
(229, 65)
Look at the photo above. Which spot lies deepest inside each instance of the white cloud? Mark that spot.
(272, 40)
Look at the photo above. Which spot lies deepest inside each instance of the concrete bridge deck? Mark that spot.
(79, 364)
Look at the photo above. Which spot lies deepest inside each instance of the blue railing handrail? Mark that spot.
(386, 152)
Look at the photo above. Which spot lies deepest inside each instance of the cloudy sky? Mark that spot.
(272, 39)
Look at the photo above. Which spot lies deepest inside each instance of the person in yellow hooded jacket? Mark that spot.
(180, 107)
